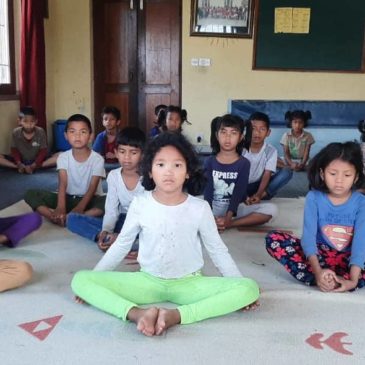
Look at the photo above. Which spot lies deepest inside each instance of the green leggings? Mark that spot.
(199, 297)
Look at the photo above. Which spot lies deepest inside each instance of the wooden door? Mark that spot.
(137, 47)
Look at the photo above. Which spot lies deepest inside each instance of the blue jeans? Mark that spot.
(277, 181)
(90, 227)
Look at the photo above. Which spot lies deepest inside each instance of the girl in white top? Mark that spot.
(171, 225)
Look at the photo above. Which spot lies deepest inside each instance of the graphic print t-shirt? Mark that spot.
(227, 183)
(341, 227)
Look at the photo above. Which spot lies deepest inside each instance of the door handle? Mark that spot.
(131, 76)
(131, 4)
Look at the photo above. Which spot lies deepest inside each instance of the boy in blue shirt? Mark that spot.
(105, 142)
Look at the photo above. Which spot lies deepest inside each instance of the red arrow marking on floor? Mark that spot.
(334, 342)
(41, 334)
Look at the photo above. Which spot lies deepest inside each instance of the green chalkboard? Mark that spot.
(335, 41)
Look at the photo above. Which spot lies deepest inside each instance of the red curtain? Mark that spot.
(32, 77)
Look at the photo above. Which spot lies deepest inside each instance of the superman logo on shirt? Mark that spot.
(339, 236)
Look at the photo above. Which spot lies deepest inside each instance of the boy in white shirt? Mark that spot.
(124, 184)
(79, 174)
(264, 180)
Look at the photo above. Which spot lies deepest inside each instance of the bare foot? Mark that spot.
(3, 239)
(58, 219)
(78, 300)
(145, 319)
(166, 319)
(251, 307)
(331, 281)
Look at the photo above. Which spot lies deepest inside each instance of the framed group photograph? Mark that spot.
(222, 18)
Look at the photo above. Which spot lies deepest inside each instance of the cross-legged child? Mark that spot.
(264, 180)
(28, 145)
(227, 174)
(172, 118)
(105, 142)
(297, 143)
(124, 184)
(79, 174)
(157, 129)
(171, 226)
(331, 253)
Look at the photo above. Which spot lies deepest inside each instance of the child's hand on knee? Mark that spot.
(30, 168)
(21, 168)
(254, 199)
(221, 223)
(58, 217)
(106, 239)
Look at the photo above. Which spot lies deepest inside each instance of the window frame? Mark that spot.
(10, 89)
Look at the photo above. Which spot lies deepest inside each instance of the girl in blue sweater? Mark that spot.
(331, 253)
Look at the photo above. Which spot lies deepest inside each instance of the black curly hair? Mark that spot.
(195, 183)
(297, 114)
(162, 115)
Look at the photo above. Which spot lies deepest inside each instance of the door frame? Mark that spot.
(98, 72)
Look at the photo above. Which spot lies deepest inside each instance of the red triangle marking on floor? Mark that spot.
(42, 334)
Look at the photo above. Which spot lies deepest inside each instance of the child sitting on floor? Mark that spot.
(297, 143)
(123, 185)
(79, 178)
(227, 174)
(171, 225)
(105, 142)
(172, 118)
(28, 145)
(331, 253)
(264, 180)
(157, 129)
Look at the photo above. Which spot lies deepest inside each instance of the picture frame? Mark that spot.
(222, 18)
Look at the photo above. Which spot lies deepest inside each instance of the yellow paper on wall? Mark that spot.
(301, 19)
(283, 20)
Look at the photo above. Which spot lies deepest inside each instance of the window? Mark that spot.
(7, 72)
